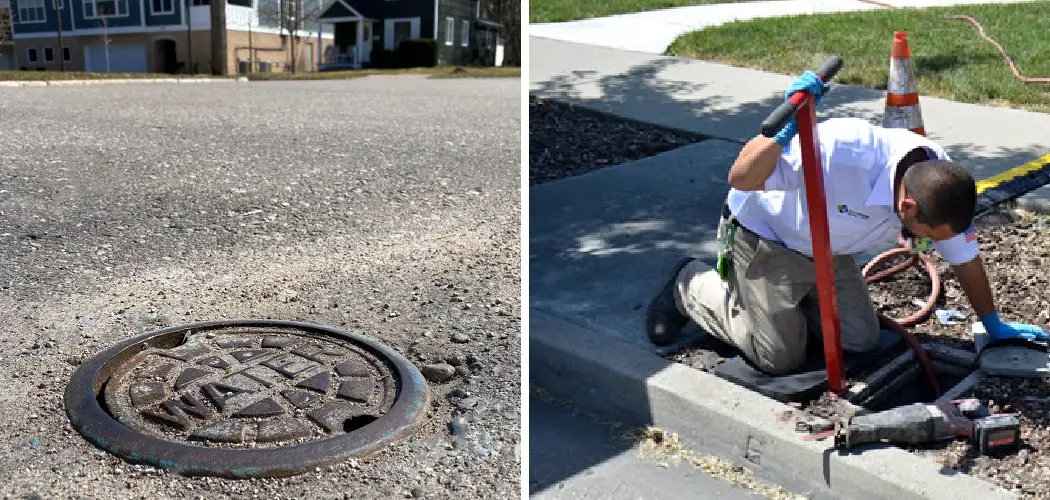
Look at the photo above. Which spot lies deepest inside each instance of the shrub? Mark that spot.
(382, 59)
(417, 53)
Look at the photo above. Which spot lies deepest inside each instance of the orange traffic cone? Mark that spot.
(902, 95)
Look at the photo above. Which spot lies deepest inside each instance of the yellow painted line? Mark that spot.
(1013, 173)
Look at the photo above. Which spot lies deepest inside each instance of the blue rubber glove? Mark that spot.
(809, 81)
(997, 330)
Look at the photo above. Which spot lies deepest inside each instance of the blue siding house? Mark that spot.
(156, 36)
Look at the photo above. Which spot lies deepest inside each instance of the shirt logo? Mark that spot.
(843, 209)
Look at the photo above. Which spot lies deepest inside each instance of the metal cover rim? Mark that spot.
(104, 431)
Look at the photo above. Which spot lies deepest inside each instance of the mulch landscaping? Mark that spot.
(1015, 247)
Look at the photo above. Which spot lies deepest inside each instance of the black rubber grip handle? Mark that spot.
(780, 117)
(830, 68)
(786, 111)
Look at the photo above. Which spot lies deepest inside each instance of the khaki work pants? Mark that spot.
(771, 306)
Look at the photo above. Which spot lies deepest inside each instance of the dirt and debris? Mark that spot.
(1025, 471)
(658, 444)
(566, 140)
(1015, 248)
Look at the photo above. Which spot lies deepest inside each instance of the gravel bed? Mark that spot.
(1015, 247)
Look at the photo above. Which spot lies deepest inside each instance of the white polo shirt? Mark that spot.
(860, 161)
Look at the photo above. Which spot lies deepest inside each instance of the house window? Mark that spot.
(466, 33)
(450, 31)
(162, 6)
(96, 9)
(31, 11)
(49, 55)
(31, 55)
(65, 54)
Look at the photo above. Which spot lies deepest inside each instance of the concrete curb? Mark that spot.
(119, 81)
(630, 385)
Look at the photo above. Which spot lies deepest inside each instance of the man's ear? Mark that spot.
(908, 206)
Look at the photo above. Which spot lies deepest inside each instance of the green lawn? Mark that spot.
(952, 60)
(439, 72)
(26, 76)
(553, 11)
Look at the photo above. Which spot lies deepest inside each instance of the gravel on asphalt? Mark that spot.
(387, 206)
(1015, 248)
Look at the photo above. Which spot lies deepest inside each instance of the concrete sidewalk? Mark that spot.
(653, 31)
(571, 456)
(729, 103)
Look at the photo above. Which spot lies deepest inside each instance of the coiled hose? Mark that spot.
(931, 302)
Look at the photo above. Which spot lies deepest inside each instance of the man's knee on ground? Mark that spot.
(860, 334)
(781, 361)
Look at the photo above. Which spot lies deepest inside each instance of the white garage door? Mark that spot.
(123, 58)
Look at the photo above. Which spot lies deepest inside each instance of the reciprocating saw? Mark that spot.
(922, 423)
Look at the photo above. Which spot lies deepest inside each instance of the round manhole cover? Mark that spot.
(254, 398)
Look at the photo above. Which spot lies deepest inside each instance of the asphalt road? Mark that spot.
(387, 206)
(573, 456)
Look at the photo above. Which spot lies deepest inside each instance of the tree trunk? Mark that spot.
(219, 59)
(61, 52)
(291, 44)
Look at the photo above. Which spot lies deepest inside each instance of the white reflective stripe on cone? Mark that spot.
(908, 117)
(902, 77)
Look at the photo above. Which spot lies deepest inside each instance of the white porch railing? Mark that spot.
(200, 16)
(341, 57)
(241, 16)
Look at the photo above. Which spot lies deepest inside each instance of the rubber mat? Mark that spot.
(808, 381)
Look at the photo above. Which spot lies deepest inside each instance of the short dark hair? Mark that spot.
(944, 192)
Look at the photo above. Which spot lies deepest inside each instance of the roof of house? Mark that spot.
(369, 10)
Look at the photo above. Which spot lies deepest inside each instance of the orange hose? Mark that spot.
(980, 30)
(1002, 51)
(923, 313)
(920, 353)
(931, 268)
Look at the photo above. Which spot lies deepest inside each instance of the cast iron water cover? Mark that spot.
(256, 398)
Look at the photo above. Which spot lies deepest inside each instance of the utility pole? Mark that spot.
(189, 36)
(219, 58)
(61, 50)
(105, 39)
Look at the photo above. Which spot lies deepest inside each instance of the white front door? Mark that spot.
(366, 42)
